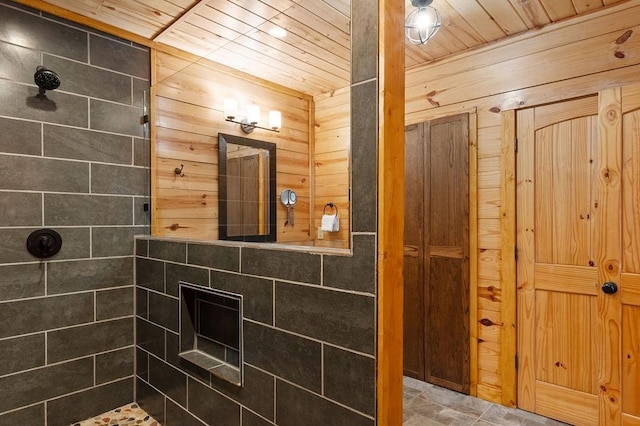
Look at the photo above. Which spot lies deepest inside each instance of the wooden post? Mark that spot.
(390, 210)
(508, 268)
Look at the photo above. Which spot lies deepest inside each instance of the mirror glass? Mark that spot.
(247, 194)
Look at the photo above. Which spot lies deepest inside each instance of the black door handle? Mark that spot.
(610, 288)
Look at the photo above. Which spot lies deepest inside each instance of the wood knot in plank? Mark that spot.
(624, 37)
(619, 55)
(487, 322)
(495, 109)
(432, 101)
(175, 227)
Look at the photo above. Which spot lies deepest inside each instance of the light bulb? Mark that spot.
(253, 114)
(275, 120)
(230, 109)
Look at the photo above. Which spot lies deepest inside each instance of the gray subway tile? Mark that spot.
(357, 272)
(33, 415)
(108, 179)
(178, 416)
(20, 137)
(142, 303)
(218, 257)
(150, 337)
(150, 274)
(20, 209)
(364, 41)
(18, 63)
(21, 353)
(163, 310)
(89, 339)
(257, 393)
(286, 265)
(91, 274)
(114, 241)
(120, 57)
(51, 37)
(345, 371)
(294, 404)
(364, 140)
(21, 281)
(151, 401)
(43, 174)
(212, 407)
(29, 316)
(141, 92)
(116, 118)
(190, 274)
(87, 210)
(168, 380)
(142, 364)
(344, 319)
(114, 365)
(83, 405)
(291, 357)
(22, 101)
(75, 244)
(87, 80)
(114, 303)
(142, 214)
(141, 153)
(80, 144)
(44, 383)
(142, 247)
(257, 294)
(168, 250)
(251, 419)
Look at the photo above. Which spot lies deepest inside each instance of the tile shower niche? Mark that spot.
(211, 331)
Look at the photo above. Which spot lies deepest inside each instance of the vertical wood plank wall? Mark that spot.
(189, 102)
(570, 59)
(331, 160)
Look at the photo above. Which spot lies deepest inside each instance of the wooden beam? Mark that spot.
(473, 253)
(84, 20)
(390, 210)
(508, 266)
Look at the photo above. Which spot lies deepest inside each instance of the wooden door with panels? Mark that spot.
(578, 267)
(436, 252)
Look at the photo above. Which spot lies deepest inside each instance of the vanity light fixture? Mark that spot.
(252, 117)
(422, 23)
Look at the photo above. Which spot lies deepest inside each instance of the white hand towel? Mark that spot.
(330, 223)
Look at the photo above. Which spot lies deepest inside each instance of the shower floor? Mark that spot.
(127, 415)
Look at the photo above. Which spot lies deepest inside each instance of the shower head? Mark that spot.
(46, 79)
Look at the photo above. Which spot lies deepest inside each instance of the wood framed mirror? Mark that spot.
(247, 192)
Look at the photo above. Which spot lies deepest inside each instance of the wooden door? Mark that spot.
(578, 340)
(437, 252)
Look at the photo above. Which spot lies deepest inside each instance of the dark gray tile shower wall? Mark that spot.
(66, 324)
(310, 320)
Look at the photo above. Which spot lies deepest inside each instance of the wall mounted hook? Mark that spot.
(178, 170)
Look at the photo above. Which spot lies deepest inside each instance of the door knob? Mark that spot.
(610, 288)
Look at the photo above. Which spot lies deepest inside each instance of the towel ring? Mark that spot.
(333, 206)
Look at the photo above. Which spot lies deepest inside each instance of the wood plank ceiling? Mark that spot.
(314, 56)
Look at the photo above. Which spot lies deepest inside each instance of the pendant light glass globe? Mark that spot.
(422, 24)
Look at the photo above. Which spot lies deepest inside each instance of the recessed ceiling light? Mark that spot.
(277, 32)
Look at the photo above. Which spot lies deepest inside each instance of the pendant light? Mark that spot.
(422, 23)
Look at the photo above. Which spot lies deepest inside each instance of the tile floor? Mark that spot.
(128, 415)
(426, 405)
